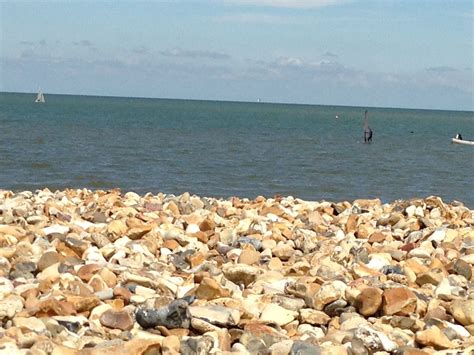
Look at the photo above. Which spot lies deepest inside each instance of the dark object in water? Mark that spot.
(367, 130)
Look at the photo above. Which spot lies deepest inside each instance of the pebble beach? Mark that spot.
(106, 272)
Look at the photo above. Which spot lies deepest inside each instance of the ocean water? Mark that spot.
(223, 149)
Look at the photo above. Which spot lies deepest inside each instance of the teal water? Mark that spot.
(222, 149)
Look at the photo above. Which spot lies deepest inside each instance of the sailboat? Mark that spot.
(40, 96)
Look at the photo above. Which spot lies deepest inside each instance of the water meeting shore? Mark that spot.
(105, 272)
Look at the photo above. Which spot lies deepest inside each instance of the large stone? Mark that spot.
(49, 258)
(209, 289)
(433, 337)
(369, 301)
(273, 313)
(241, 273)
(399, 301)
(10, 306)
(175, 315)
(217, 315)
(463, 311)
(116, 319)
(313, 317)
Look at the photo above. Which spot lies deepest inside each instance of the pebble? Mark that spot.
(101, 272)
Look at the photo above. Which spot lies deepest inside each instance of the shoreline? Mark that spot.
(89, 272)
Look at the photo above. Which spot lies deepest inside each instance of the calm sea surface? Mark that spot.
(222, 149)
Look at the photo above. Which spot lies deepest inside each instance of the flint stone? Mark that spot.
(241, 273)
(33, 324)
(463, 311)
(369, 301)
(116, 319)
(273, 313)
(433, 337)
(10, 306)
(303, 348)
(175, 315)
(49, 258)
(399, 301)
(217, 315)
(311, 316)
(463, 268)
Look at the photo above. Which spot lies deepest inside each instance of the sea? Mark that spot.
(223, 149)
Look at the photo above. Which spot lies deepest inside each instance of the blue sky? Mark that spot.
(416, 54)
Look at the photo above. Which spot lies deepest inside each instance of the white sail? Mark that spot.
(40, 96)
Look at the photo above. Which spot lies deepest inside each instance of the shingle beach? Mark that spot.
(105, 272)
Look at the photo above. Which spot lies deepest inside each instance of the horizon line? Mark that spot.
(239, 101)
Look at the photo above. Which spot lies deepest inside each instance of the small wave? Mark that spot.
(40, 166)
(100, 183)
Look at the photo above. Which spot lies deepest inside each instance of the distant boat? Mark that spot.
(462, 141)
(258, 100)
(40, 96)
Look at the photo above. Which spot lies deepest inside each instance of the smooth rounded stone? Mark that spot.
(403, 322)
(116, 319)
(329, 292)
(10, 306)
(23, 269)
(463, 311)
(352, 322)
(283, 251)
(249, 257)
(49, 258)
(197, 345)
(241, 273)
(304, 348)
(434, 337)
(463, 268)
(201, 326)
(56, 229)
(175, 315)
(399, 301)
(31, 323)
(106, 294)
(273, 313)
(368, 302)
(6, 286)
(251, 344)
(4, 266)
(217, 315)
(357, 346)
(307, 331)
(86, 272)
(335, 308)
(209, 289)
(311, 316)
(281, 348)
(459, 330)
(257, 244)
(377, 262)
(171, 345)
(293, 304)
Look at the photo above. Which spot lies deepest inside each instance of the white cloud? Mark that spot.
(185, 53)
(297, 4)
(257, 18)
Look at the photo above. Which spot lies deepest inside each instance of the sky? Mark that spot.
(378, 53)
